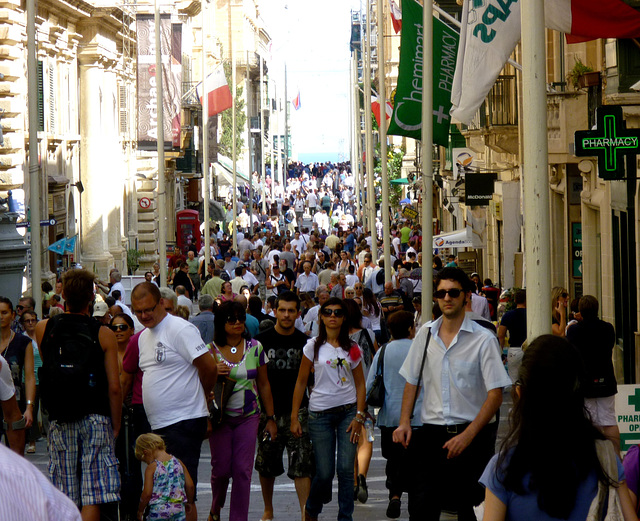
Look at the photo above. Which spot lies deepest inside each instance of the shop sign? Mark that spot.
(576, 249)
(478, 189)
(610, 142)
(409, 212)
(628, 416)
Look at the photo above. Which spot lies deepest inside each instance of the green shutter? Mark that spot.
(40, 74)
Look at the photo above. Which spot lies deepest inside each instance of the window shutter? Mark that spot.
(122, 109)
(52, 101)
(39, 74)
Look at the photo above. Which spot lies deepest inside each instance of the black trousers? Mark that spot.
(439, 483)
(397, 463)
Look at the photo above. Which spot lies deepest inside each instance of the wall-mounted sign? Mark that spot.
(144, 202)
(478, 189)
(609, 142)
(410, 212)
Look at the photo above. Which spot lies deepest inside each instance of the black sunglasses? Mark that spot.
(442, 293)
(236, 318)
(119, 327)
(335, 312)
(564, 295)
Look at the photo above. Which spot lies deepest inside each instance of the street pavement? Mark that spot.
(285, 498)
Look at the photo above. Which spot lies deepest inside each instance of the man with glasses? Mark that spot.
(463, 378)
(179, 373)
(24, 304)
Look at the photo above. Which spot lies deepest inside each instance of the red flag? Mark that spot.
(375, 108)
(584, 20)
(219, 94)
(296, 101)
(396, 16)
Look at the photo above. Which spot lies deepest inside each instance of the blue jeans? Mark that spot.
(325, 427)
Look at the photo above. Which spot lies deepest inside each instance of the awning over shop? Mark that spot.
(225, 165)
(400, 181)
(464, 238)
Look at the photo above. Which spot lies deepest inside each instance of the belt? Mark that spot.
(456, 428)
(339, 408)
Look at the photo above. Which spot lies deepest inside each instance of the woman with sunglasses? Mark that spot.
(559, 301)
(233, 441)
(336, 408)
(17, 350)
(29, 319)
(130, 468)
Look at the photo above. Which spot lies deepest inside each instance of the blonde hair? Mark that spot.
(148, 443)
(556, 293)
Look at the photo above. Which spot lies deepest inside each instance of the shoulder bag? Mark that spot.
(424, 359)
(606, 503)
(375, 398)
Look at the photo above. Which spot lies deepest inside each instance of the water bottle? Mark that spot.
(368, 427)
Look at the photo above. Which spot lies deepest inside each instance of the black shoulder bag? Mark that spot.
(375, 398)
(424, 359)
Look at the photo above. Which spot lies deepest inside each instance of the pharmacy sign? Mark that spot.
(610, 142)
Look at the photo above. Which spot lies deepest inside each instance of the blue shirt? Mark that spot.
(252, 325)
(456, 379)
(204, 322)
(394, 355)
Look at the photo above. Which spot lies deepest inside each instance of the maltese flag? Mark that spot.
(396, 16)
(584, 20)
(219, 94)
(375, 107)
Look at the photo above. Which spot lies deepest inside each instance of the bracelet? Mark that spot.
(359, 420)
(360, 413)
(29, 402)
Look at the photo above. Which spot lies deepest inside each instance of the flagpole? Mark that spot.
(356, 136)
(535, 168)
(249, 146)
(205, 141)
(427, 164)
(286, 133)
(34, 178)
(263, 170)
(384, 178)
(162, 194)
(369, 136)
(234, 197)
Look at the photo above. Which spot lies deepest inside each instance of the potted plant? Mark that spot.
(133, 260)
(582, 75)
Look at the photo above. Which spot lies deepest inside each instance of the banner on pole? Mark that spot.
(407, 111)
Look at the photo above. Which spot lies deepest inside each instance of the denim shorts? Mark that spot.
(82, 461)
(299, 450)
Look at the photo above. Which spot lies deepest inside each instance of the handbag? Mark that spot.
(607, 499)
(222, 391)
(375, 397)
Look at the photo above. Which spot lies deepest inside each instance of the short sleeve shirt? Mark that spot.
(333, 376)
(171, 388)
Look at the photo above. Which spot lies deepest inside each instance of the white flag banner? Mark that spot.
(489, 34)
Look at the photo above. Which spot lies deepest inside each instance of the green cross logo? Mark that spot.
(609, 142)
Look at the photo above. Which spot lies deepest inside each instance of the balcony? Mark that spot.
(566, 113)
(496, 122)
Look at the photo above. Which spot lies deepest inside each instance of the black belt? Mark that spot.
(339, 408)
(456, 428)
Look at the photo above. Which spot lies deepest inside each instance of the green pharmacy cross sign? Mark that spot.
(610, 142)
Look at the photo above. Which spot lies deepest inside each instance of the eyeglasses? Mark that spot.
(564, 295)
(30, 321)
(442, 293)
(338, 313)
(236, 318)
(118, 327)
(140, 312)
(19, 307)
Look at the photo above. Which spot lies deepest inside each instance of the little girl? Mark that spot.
(168, 487)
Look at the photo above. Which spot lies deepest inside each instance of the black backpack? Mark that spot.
(73, 380)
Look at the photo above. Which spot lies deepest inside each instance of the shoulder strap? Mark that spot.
(424, 359)
(380, 368)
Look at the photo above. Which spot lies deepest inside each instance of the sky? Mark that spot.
(313, 39)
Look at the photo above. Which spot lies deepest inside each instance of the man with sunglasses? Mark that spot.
(463, 378)
(179, 373)
(24, 304)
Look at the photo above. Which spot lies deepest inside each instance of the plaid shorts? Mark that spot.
(299, 451)
(82, 461)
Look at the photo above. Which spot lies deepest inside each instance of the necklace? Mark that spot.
(234, 349)
(11, 335)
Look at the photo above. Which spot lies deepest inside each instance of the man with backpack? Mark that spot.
(80, 389)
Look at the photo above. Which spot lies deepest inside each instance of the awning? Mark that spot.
(464, 238)
(400, 181)
(227, 164)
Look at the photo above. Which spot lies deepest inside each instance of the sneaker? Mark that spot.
(31, 449)
(363, 491)
(393, 510)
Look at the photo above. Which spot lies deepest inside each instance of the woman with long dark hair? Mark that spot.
(336, 408)
(373, 311)
(233, 441)
(550, 463)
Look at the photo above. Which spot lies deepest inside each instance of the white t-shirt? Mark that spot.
(7, 389)
(120, 287)
(300, 245)
(171, 388)
(334, 384)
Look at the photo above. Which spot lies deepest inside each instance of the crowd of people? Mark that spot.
(275, 346)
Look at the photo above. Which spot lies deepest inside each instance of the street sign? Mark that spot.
(576, 249)
(46, 222)
(609, 142)
(409, 212)
(628, 416)
(144, 202)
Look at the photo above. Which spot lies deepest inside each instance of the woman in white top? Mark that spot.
(336, 407)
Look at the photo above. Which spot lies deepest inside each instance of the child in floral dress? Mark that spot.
(168, 488)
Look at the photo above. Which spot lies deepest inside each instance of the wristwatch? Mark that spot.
(272, 417)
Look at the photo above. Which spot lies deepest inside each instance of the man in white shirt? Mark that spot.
(311, 318)
(307, 281)
(299, 244)
(179, 373)
(312, 200)
(115, 278)
(183, 300)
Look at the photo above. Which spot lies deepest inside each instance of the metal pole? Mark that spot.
(369, 135)
(234, 197)
(263, 170)
(355, 112)
(34, 178)
(427, 167)
(535, 168)
(384, 178)
(162, 194)
(205, 141)
(285, 168)
(249, 145)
